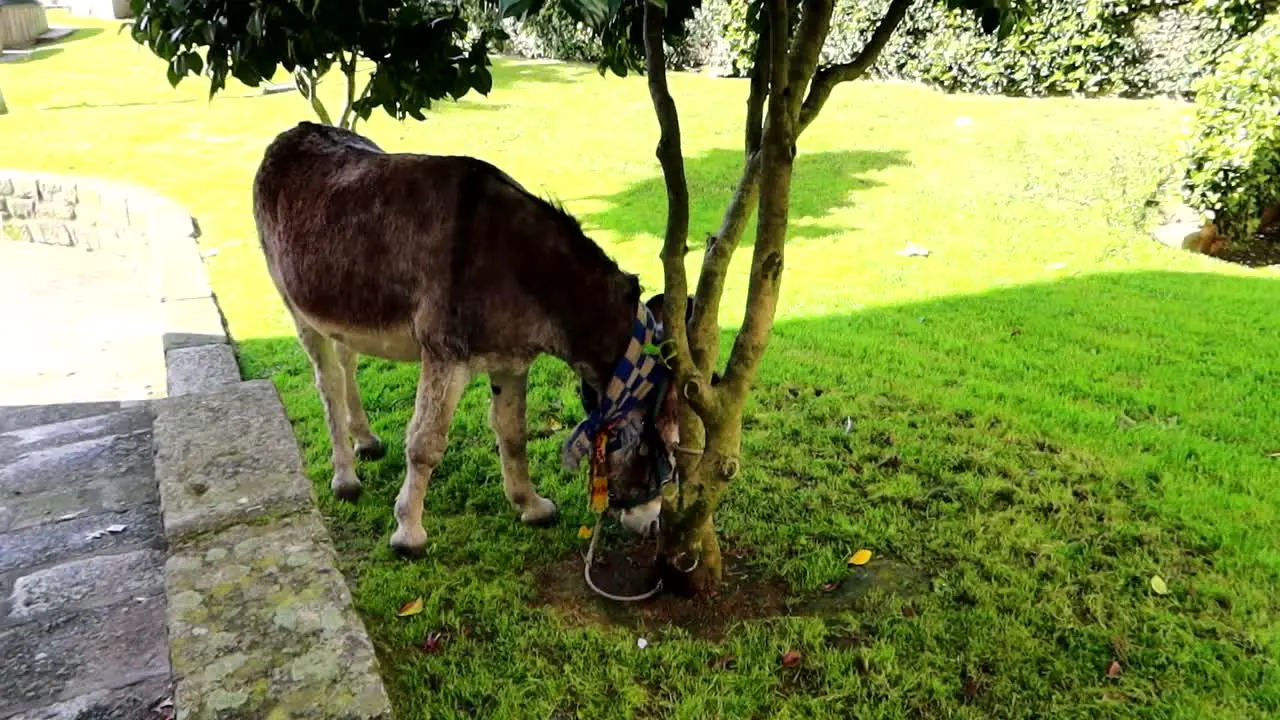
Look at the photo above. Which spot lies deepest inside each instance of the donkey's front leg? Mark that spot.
(507, 418)
(439, 389)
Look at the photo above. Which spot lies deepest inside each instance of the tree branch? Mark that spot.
(775, 195)
(348, 69)
(306, 82)
(806, 47)
(368, 86)
(676, 240)
(825, 80)
(759, 92)
(704, 336)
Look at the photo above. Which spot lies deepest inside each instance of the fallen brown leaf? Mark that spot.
(791, 658)
(908, 611)
(830, 587)
(1113, 670)
(413, 607)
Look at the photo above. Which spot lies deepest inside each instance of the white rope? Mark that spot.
(586, 572)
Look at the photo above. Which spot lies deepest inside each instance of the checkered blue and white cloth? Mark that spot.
(635, 377)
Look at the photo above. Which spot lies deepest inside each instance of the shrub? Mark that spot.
(1130, 48)
(1233, 160)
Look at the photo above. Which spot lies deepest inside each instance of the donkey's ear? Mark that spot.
(656, 306)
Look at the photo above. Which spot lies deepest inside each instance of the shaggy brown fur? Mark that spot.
(441, 260)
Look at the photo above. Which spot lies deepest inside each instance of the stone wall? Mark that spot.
(21, 24)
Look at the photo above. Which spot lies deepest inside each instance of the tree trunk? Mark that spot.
(778, 110)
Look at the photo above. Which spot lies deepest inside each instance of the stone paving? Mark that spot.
(160, 551)
(77, 327)
(82, 631)
(82, 547)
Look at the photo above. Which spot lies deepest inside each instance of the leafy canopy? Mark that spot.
(418, 49)
(620, 23)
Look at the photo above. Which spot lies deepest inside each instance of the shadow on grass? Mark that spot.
(823, 182)
(78, 34)
(510, 71)
(1036, 452)
(1176, 366)
(44, 49)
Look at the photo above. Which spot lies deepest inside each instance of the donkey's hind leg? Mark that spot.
(440, 387)
(368, 445)
(333, 394)
(507, 418)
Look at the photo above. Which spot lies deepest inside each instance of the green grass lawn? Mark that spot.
(1025, 426)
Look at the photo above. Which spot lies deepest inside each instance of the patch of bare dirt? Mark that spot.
(1263, 251)
(627, 567)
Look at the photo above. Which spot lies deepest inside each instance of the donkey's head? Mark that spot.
(639, 450)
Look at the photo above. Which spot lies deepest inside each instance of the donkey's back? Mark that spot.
(401, 254)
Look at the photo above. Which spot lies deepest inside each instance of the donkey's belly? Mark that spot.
(390, 343)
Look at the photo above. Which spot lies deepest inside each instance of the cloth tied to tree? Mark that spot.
(636, 376)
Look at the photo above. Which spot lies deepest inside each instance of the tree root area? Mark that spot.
(630, 567)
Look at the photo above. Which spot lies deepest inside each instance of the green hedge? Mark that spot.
(1130, 48)
(1233, 161)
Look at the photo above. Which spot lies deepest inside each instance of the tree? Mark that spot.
(418, 56)
(418, 49)
(788, 89)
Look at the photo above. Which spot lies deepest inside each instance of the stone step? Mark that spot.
(82, 605)
(261, 624)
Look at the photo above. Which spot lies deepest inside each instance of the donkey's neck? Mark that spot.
(604, 314)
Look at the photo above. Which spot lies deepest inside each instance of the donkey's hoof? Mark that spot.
(371, 449)
(412, 545)
(543, 514)
(345, 488)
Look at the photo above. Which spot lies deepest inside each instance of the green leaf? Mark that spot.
(1159, 586)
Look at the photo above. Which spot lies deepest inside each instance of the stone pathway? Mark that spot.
(82, 548)
(160, 550)
(76, 327)
(82, 632)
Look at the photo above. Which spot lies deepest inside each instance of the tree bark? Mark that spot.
(306, 83)
(826, 79)
(671, 156)
(704, 336)
(778, 111)
(347, 119)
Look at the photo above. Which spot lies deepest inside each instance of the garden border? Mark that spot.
(260, 621)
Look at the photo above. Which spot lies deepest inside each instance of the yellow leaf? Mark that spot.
(412, 607)
(554, 425)
(584, 532)
(1158, 585)
(862, 557)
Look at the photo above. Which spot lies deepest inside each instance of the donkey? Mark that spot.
(448, 262)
